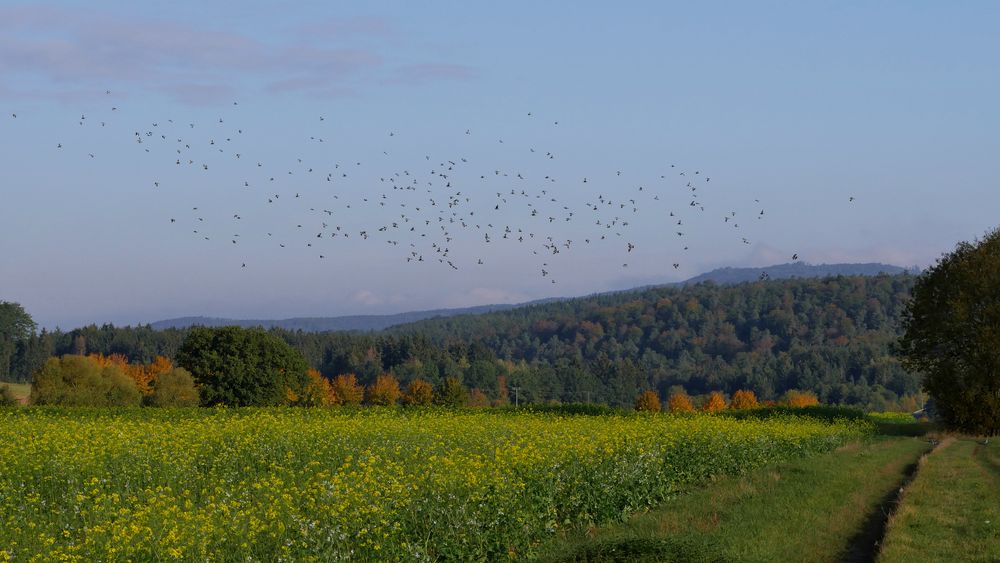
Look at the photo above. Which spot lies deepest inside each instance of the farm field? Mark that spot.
(330, 484)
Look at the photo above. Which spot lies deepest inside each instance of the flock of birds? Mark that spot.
(451, 211)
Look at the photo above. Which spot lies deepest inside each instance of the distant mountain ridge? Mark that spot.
(795, 270)
(324, 324)
(380, 322)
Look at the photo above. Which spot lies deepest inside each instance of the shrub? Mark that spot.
(346, 390)
(80, 381)
(648, 401)
(796, 398)
(715, 403)
(418, 393)
(477, 398)
(174, 388)
(743, 399)
(384, 392)
(680, 402)
(318, 392)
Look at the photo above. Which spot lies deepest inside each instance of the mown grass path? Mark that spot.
(815, 509)
(951, 511)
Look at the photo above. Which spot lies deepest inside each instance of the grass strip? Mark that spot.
(951, 511)
(812, 509)
(21, 390)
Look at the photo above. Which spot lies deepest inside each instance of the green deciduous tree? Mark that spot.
(952, 335)
(451, 393)
(242, 367)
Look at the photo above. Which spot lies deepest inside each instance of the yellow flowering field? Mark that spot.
(361, 485)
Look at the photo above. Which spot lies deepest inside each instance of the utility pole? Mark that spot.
(516, 389)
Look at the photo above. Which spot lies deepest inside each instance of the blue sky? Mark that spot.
(789, 107)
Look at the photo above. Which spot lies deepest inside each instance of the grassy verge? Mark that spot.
(821, 508)
(21, 390)
(951, 511)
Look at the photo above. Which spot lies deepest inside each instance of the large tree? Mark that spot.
(242, 367)
(953, 335)
(16, 326)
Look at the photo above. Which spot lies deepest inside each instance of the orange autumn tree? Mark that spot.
(503, 395)
(477, 398)
(715, 403)
(346, 389)
(648, 401)
(680, 402)
(384, 391)
(796, 398)
(419, 393)
(743, 399)
(318, 392)
(142, 375)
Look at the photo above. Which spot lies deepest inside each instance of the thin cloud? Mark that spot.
(54, 50)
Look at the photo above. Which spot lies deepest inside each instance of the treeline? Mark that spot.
(832, 336)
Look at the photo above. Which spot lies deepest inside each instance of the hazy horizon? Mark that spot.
(864, 133)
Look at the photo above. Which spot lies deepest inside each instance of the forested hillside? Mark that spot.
(832, 335)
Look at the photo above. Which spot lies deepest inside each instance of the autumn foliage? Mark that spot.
(384, 391)
(418, 393)
(346, 390)
(715, 403)
(796, 398)
(680, 402)
(142, 375)
(477, 398)
(743, 399)
(648, 401)
(318, 392)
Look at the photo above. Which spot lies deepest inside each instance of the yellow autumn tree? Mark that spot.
(648, 401)
(346, 390)
(680, 402)
(419, 393)
(743, 399)
(796, 398)
(715, 403)
(318, 392)
(384, 391)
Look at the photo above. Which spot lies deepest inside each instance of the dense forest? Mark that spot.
(834, 336)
